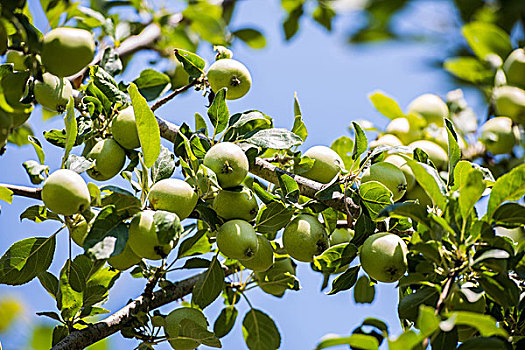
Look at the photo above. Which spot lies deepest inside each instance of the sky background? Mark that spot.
(332, 80)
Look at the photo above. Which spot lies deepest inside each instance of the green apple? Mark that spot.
(263, 258)
(236, 204)
(126, 259)
(65, 192)
(230, 74)
(405, 130)
(178, 76)
(431, 107)
(179, 338)
(386, 140)
(66, 51)
(510, 102)
(418, 193)
(17, 58)
(401, 163)
(383, 256)
(498, 136)
(143, 238)
(341, 235)
(305, 237)
(109, 159)
(53, 92)
(229, 163)
(514, 68)
(435, 153)
(389, 175)
(327, 164)
(237, 239)
(276, 279)
(124, 129)
(78, 229)
(173, 195)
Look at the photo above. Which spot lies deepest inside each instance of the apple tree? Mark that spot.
(251, 204)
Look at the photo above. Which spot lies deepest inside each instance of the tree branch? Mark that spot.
(23, 191)
(114, 323)
(168, 98)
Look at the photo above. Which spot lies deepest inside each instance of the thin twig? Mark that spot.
(168, 98)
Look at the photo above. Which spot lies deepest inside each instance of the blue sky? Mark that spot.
(332, 81)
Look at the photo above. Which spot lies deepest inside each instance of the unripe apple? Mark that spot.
(388, 175)
(173, 195)
(498, 135)
(237, 239)
(436, 154)
(65, 192)
(417, 192)
(236, 204)
(17, 58)
(384, 257)
(341, 235)
(305, 237)
(53, 92)
(514, 68)
(178, 338)
(126, 259)
(143, 239)
(405, 130)
(274, 281)
(230, 74)
(109, 159)
(263, 258)
(510, 102)
(431, 107)
(124, 129)
(66, 51)
(386, 140)
(229, 163)
(327, 164)
(401, 163)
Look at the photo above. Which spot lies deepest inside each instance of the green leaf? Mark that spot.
(364, 292)
(69, 298)
(510, 214)
(408, 307)
(454, 153)
(501, 289)
(49, 282)
(252, 37)
(225, 322)
(324, 15)
(6, 195)
(35, 171)
(486, 38)
(98, 285)
(491, 254)
(190, 329)
(299, 128)
(427, 321)
(200, 124)
(209, 286)
(289, 188)
(242, 125)
(38, 213)
(360, 143)
(509, 187)
(260, 331)
(357, 341)
(192, 63)
(469, 69)
(152, 84)
(108, 234)
(218, 112)
(78, 164)
(345, 281)
(342, 146)
(407, 340)
(485, 324)
(375, 197)
(335, 257)
(164, 166)
(470, 192)
(194, 245)
(273, 217)
(431, 182)
(386, 105)
(71, 128)
(275, 138)
(445, 340)
(25, 259)
(148, 129)
(38, 148)
(107, 87)
(168, 227)
(478, 343)
(414, 211)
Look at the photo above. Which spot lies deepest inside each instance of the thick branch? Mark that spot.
(114, 323)
(29, 192)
